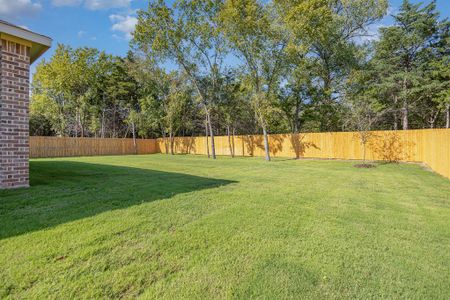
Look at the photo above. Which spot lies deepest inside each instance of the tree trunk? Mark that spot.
(447, 116)
(82, 129)
(364, 152)
(232, 141)
(165, 141)
(395, 113)
(229, 141)
(82, 123)
(296, 128)
(76, 125)
(171, 138)
(433, 119)
(114, 122)
(395, 121)
(126, 132)
(61, 128)
(103, 124)
(405, 115)
(211, 132)
(133, 128)
(266, 144)
(207, 137)
(405, 106)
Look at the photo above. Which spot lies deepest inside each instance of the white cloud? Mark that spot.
(16, 9)
(123, 24)
(93, 4)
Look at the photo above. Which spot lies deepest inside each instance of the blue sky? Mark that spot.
(103, 24)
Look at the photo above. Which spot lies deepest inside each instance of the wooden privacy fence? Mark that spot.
(430, 146)
(66, 146)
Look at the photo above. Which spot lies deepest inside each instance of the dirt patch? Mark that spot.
(60, 258)
(365, 166)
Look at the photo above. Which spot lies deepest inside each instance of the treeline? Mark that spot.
(250, 67)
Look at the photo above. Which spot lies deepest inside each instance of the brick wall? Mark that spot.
(14, 102)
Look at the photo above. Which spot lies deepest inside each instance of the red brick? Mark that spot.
(14, 101)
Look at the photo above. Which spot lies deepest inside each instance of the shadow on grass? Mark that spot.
(63, 191)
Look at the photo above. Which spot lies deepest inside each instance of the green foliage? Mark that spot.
(77, 90)
(410, 66)
(255, 33)
(187, 34)
(322, 45)
(246, 66)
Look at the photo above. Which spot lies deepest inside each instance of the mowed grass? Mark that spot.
(181, 227)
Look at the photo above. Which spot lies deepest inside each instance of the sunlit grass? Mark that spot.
(187, 227)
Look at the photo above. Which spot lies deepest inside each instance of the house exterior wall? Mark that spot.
(14, 109)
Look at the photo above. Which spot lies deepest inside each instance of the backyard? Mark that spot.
(160, 226)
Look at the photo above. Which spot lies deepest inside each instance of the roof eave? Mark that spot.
(39, 43)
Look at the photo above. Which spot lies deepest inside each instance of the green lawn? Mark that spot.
(187, 227)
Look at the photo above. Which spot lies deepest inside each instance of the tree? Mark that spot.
(152, 85)
(364, 109)
(65, 82)
(404, 51)
(233, 106)
(83, 73)
(296, 95)
(328, 31)
(176, 107)
(252, 66)
(41, 112)
(102, 103)
(439, 70)
(258, 39)
(120, 88)
(188, 33)
(52, 89)
(363, 114)
(79, 91)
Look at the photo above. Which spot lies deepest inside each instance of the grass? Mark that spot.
(188, 227)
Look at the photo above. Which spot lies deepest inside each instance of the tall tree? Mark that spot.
(296, 94)
(188, 33)
(233, 107)
(364, 109)
(176, 108)
(253, 29)
(64, 83)
(328, 31)
(438, 70)
(404, 49)
(83, 73)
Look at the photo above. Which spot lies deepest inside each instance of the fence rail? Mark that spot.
(66, 146)
(430, 146)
